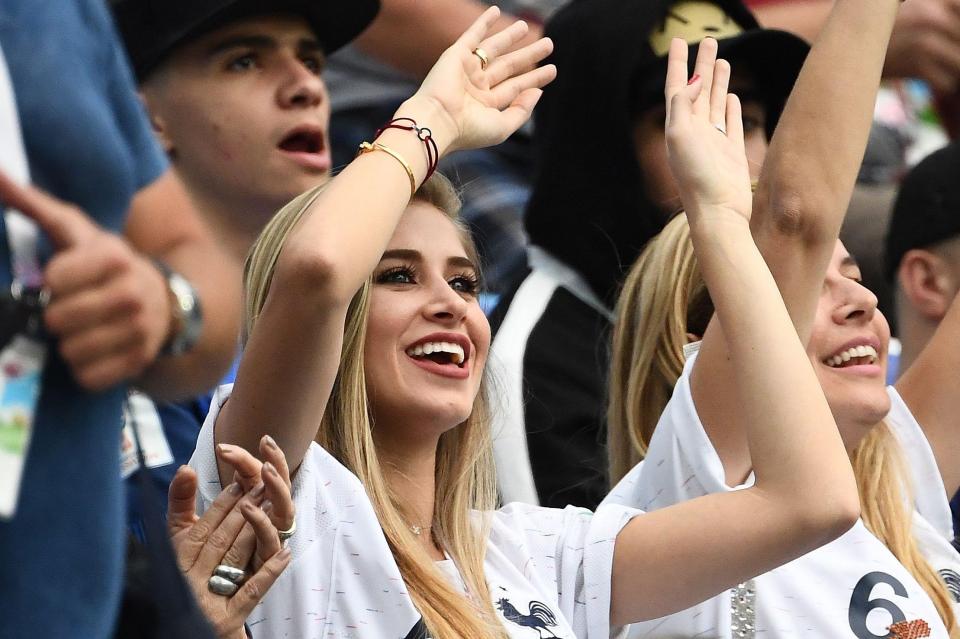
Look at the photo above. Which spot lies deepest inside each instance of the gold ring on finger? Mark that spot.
(484, 60)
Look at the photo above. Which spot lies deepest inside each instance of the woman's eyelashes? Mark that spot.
(467, 283)
(464, 282)
(397, 275)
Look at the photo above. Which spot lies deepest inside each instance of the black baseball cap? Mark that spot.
(927, 209)
(152, 29)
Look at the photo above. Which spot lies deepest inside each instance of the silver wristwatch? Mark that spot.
(186, 312)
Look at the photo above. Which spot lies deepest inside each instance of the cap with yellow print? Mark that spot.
(692, 20)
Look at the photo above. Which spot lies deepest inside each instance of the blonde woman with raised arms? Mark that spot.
(895, 573)
(364, 360)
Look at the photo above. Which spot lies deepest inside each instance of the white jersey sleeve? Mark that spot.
(566, 554)
(932, 520)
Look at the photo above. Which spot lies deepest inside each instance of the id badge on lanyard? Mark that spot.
(22, 346)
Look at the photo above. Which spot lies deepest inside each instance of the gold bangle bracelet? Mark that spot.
(367, 147)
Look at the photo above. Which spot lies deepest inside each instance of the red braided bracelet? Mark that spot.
(423, 133)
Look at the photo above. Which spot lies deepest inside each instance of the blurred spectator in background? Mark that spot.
(923, 249)
(235, 97)
(917, 112)
(113, 313)
(922, 259)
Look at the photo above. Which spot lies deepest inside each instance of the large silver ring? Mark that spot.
(288, 533)
(230, 573)
(484, 60)
(220, 586)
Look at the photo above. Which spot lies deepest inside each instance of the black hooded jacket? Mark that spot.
(588, 207)
(589, 217)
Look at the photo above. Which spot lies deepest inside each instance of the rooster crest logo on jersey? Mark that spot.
(540, 618)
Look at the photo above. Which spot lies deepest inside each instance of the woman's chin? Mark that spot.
(856, 416)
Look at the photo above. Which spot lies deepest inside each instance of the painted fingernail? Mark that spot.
(257, 490)
(269, 441)
(693, 78)
(266, 506)
(235, 490)
(269, 469)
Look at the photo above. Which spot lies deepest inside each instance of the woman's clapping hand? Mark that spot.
(238, 535)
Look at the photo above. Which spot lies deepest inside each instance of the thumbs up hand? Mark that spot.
(109, 305)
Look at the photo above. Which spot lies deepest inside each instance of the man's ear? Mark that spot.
(927, 283)
(157, 122)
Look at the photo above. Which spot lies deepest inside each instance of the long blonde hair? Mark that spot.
(663, 300)
(664, 284)
(465, 481)
(884, 497)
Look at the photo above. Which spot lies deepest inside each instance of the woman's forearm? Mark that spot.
(812, 163)
(805, 494)
(324, 261)
(795, 446)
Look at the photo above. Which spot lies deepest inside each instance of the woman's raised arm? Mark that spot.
(803, 193)
(293, 352)
(805, 494)
(814, 157)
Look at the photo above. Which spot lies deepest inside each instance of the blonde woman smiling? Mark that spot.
(365, 360)
(889, 575)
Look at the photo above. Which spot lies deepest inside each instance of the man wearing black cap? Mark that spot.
(234, 94)
(923, 249)
(922, 256)
(603, 189)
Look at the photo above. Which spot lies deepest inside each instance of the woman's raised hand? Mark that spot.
(704, 133)
(484, 102)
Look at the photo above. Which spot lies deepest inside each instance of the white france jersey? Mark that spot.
(548, 570)
(851, 588)
(932, 520)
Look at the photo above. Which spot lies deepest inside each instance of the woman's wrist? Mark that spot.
(428, 112)
(714, 221)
